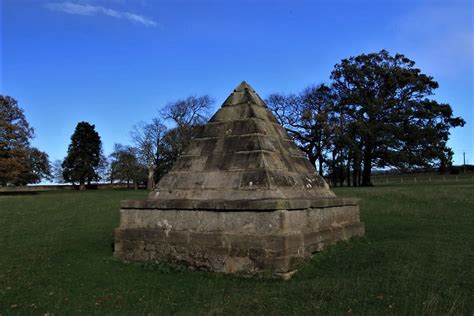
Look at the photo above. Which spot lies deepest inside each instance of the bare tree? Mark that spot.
(147, 138)
(187, 115)
(307, 117)
(188, 112)
(57, 171)
(159, 146)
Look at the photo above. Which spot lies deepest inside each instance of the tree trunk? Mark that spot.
(367, 167)
(354, 176)
(128, 184)
(341, 176)
(340, 169)
(320, 161)
(82, 185)
(348, 171)
(135, 185)
(334, 168)
(312, 159)
(355, 171)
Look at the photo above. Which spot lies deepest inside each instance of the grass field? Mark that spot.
(417, 258)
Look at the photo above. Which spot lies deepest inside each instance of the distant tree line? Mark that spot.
(375, 113)
(155, 147)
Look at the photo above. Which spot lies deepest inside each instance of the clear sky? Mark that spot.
(114, 63)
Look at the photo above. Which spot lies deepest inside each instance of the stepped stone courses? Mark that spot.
(242, 198)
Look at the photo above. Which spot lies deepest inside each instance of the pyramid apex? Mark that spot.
(244, 86)
(243, 94)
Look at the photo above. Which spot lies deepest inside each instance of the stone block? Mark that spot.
(206, 240)
(235, 241)
(238, 264)
(178, 237)
(254, 179)
(192, 163)
(216, 181)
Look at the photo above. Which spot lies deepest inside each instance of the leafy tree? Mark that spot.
(83, 156)
(15, 133)
(39, 166)
(390, 117)
(307, 118)
(125, 166)
(19, 163)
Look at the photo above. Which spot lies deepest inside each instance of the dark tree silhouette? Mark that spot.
(390, 115)
(83, 156)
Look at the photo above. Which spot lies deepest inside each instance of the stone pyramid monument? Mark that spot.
(242, 198)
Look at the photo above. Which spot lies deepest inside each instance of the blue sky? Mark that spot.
(117, 62)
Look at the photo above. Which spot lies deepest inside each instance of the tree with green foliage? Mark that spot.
(39, 166)
(15, 134)
(393, 121)
(83, 156)
(20, 164)
(125, 166)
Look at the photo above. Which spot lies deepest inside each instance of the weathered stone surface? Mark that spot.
(242, 153)
(242, 198)
(248, 242)
(224, 205)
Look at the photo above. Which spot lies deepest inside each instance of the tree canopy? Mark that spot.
(377, 112)
(391, 117)
(84, 154)
(20, 163)
(125, 166)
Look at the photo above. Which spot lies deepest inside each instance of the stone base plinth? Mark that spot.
(234, 241)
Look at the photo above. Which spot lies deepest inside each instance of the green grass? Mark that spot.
(417, 258)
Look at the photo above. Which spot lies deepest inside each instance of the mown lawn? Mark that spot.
(417, 258)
